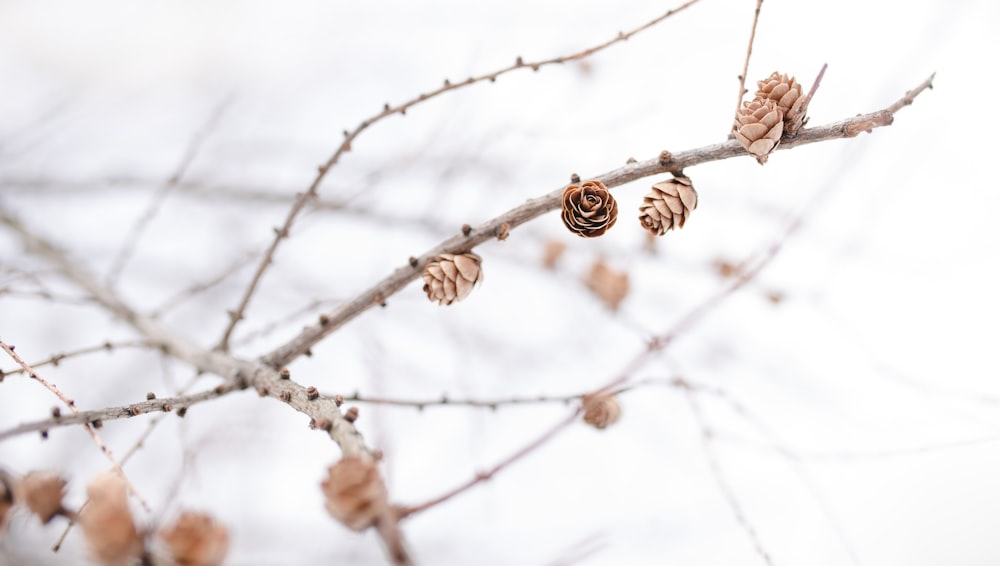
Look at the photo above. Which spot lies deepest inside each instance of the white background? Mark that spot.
(868, 431)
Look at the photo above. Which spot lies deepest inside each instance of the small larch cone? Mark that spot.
(588, 209)
(787, 93)
(107, 522)
(42, 493)
(758, 127)
(609, 285)
(355, 494)
(600, 411)
(668, 205)
(196, 539)
(450, 277)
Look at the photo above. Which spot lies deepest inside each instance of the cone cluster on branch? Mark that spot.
(588, 209)
(668, 205)
(600, 411)
(355, 494)
(777, 110)
(450, 277)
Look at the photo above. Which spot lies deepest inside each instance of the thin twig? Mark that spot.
(480, 477)
(398, 279)
(792, 457)
(9, 349)
(56, 359)
(746, 61)
(192, 291)
(720, 479)
(349, 136)
(150, 427)
(131, 240)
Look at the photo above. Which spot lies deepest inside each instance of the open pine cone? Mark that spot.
(588, 209)
(450, 277)
(758, 127)
(668, 205)
(787, 93)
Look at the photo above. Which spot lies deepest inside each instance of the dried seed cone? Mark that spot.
(355, 494)
(450, 277)
(600, 411)
(610, 286)
(588, 209)
(107, 522)
(668, 205)
(42, 493)
(788, 94)
(758, 127)
(196, 539)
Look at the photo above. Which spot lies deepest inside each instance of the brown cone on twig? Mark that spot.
(42, 493)
(107, 522)
(588, 209)
(758, 127)
(196, 539)
(355, 494)
(600, 411)
(789, 96)
(450, 277)
(610, 286)
(668, 205)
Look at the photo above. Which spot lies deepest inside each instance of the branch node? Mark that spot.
(338, 399)
(466, 229)
(312, 393)
(150, 396)
(286, 396)
(574, 178)
(284, 373)
(413, 262)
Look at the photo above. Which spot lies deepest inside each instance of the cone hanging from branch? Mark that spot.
(451, 277)
(668, 205)
(758, 127)
(790, 98)
(588, 209)
(355, 494)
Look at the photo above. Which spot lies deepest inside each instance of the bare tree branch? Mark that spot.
(666, 162)
(388, 110)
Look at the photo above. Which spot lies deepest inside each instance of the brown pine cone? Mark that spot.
(758, 127)
(588, 209)
(43, 492)
(450, 277)
(107, 521)
(196, 539)
(788, 94)
(668, 205)
(355, 494)
(600, 411)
